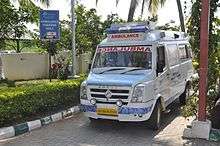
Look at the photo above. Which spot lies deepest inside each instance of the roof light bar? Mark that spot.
(128, 28)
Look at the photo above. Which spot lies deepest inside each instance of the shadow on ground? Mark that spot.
(139, 130)
(170, 133)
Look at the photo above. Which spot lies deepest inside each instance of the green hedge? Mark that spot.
(21, 103)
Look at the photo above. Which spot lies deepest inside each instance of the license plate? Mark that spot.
(107, 111)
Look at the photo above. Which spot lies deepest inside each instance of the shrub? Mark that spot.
(191, 108)
(20, 103)
(8, 82)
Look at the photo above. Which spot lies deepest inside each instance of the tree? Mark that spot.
(182, 23)
(111, 19)
(89, 31)
(12, 23)
(7, 11)
(30, 2)
(152, 7)
(168, 26)
(213, 56)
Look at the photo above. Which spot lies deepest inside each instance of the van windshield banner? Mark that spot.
(124, 49)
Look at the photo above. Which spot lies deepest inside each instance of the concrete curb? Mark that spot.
(9, 132)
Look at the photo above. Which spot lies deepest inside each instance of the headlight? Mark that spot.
(83, 91)
(138, 93)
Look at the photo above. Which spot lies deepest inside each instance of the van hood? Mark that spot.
(115, 79)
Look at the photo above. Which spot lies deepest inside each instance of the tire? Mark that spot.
(184, 96)
(155, 119)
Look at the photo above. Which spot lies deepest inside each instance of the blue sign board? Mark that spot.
(49, 25)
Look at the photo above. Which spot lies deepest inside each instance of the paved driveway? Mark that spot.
(78, 131)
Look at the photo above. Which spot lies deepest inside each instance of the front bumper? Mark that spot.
(129, 112)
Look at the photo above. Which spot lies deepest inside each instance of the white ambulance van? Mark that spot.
(137, 72)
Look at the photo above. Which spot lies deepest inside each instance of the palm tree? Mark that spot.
(182, 24)
(45, 2)
(152, 7)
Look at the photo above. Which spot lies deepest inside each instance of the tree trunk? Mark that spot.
(132, 8)
(182, 24)
(18, 50)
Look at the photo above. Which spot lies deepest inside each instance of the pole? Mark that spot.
(203, 69)
(73, 38)
(50, 50)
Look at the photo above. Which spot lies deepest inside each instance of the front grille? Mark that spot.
(98, 90)
(113, 91)
(119, 93)
(113, 96)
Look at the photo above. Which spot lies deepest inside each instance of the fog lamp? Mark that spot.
(119, 103)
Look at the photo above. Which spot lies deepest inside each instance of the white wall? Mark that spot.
(24, 66)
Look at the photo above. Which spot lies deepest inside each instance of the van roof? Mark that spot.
(139, 33)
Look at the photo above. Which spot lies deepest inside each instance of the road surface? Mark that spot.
(78, 131)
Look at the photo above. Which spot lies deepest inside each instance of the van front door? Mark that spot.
(163, 81)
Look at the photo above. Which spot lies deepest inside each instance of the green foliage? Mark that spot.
(214, 56)
(29, 7)
(191, 107)
(66, 35)
(30, 100)
(13, 21)
(168, 26)
(111, 19)
(63, 72)
(90, 30)
(8, 82)
(153, 6)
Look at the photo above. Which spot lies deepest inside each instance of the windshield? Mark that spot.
(129, 56)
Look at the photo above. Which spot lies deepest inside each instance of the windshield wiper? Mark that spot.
(133, 69)
(112, 69)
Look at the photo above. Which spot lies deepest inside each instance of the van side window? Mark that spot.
(173, 56)
(184, 52)
(189, 51)
(161, 63)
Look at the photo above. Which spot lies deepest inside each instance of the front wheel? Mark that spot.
(155, 119)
